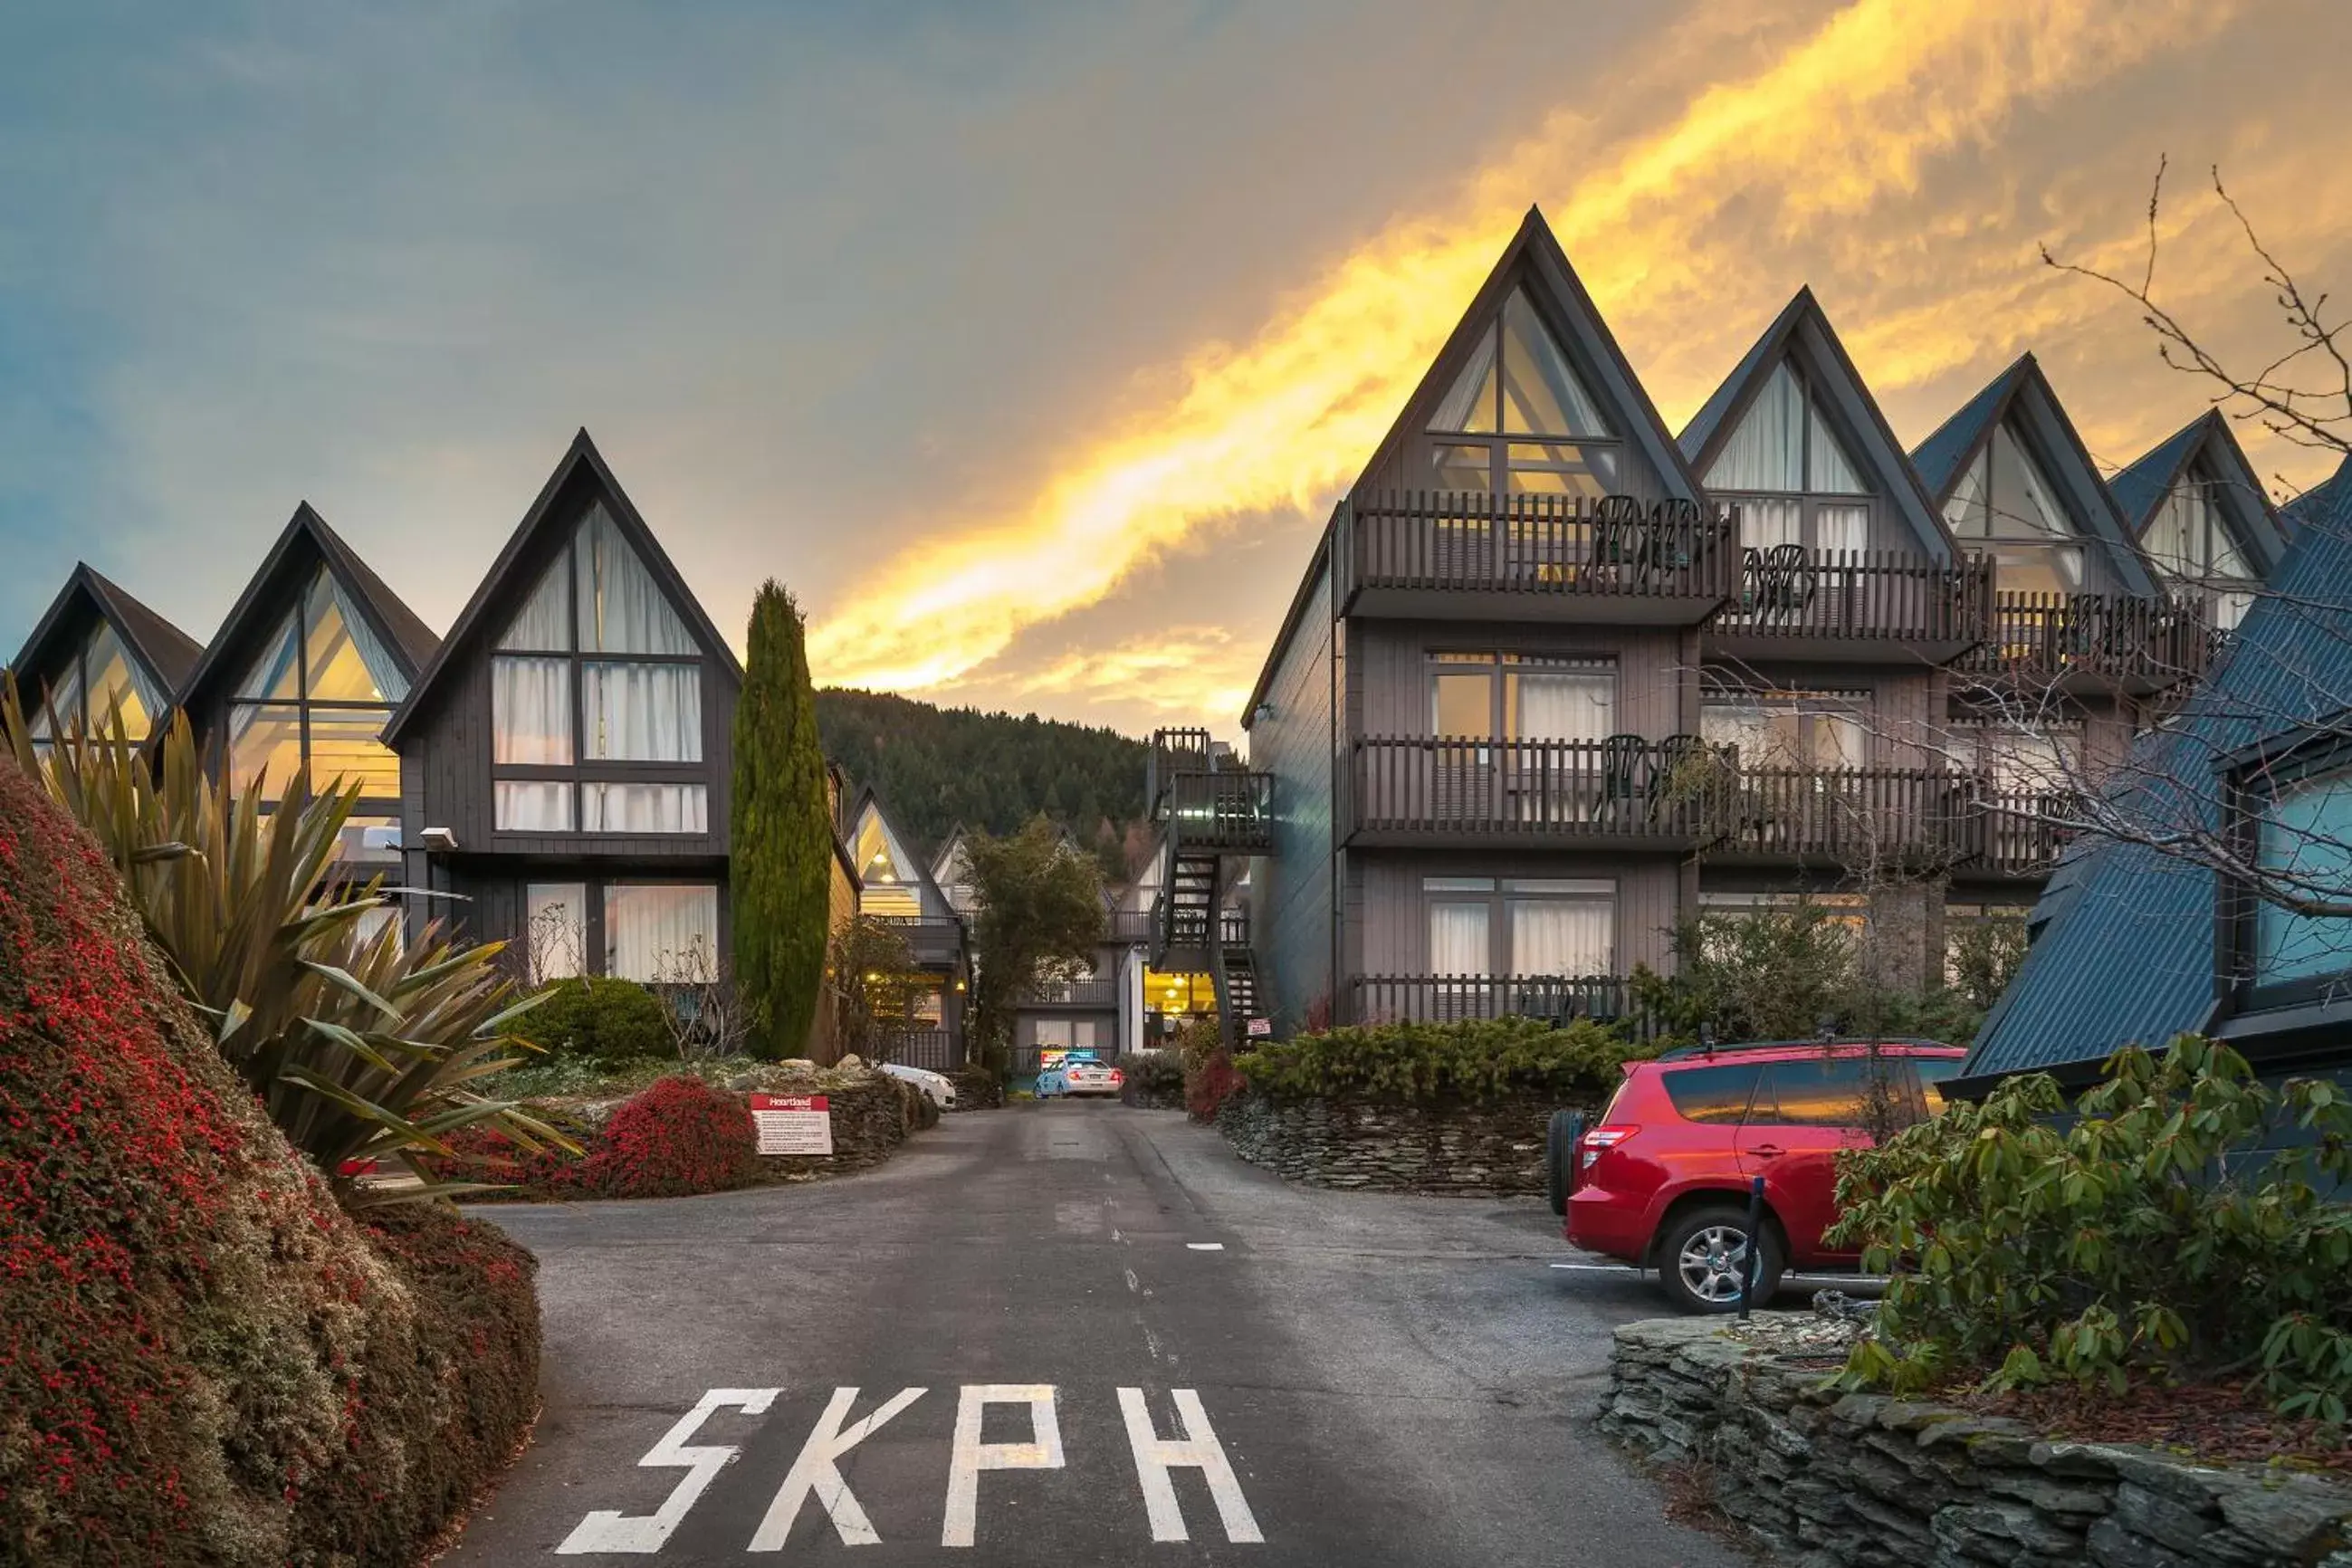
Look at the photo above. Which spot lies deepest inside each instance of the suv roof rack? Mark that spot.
(1689, 1053)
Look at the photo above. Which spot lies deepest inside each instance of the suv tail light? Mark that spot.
(1602, 1139)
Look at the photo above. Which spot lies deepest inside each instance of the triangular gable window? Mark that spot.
(1518, 381)
(1785, 444)
(544, 622)
(2004, 493)
(620, 608)
(885, 888)
(317, 697)
(326, 653)
(1828, 469)
(2190, 535)
(279, 671)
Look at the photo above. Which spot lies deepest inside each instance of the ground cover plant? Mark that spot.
(2186, 1222)
(1473, 1060)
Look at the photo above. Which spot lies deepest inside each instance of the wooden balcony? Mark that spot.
(1500, 794)
(1128, 925)
(2091, 642)
(936, 943)
(1452, 555)
(1230, 810)
(1073, 993)
(2019, 833)
(1449, 998)
(1874, 606)
(1890, 817)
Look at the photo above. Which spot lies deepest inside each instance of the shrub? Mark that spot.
(603, 1020)
(2146, 1238)
(202, 1358)
(679, 1135)
(1154, 1080)
(1475, 1060)
(1209, 1083)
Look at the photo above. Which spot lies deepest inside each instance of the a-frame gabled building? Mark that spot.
(2202, 518)
(97, 651)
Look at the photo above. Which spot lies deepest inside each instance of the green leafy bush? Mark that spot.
(608, 1021)
(1484, 1058)
(1153, 1080)
(2146, 1238)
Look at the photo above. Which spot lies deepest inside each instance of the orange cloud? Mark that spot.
(1846, 118)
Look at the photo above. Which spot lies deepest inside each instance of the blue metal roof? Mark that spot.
(2327, 503)
(2124, 950)
(1938, 458)
(2137, 489)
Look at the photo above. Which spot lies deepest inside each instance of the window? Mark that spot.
(584, 740)
(1790, 475)
(2005, 497)
(654, 929)
(1789, 729)
(888, 887)
(319, 696)
(1823, 1091)
(1934, 1073)
(555, 930)
(2024, 759)
(2190, 540)
(1515, 697)
(1526, 927)
(2303, 846)
(1713, 1094)
(1518, 382)
(100, 675)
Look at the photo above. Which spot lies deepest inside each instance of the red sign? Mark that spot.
(793, 1123)
(790, 1102)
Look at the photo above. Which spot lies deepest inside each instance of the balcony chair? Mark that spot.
(1619, 532)
(1678, 785)
(1625, 772)
(1673, 536)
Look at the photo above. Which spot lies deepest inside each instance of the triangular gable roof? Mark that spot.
(1803, 329)
(2023, 390)
(581, 463)
(2327, 504)
(867, 799)
(2254, 521)
(1534, 257)
(408, 639)
(943, 863)
(165, 653)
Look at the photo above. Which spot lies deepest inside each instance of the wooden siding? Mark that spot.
(1291, 890)
(1392, 935)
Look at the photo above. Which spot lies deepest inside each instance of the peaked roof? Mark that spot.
(2022, 388)
(2072, 1002)
(1534, 257)
(581, 463)
(2141, 488)
(409, 639)
(868, 797)
(2327, 504)
(166, 652)
(1802, 329)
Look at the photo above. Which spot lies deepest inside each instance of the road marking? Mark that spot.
(1206, 1246)
(607, 1530)
(1194, 1447)
(816, 1470)
(972, 1455)
(1598, 1267)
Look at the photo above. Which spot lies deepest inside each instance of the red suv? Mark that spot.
(1661, 1178)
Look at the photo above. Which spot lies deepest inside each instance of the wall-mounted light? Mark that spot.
(438, 840)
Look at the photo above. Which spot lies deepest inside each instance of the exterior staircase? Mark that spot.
(1213, 815)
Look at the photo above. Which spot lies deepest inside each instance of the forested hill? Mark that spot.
(938, 766)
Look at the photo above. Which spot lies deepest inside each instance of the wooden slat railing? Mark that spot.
(1445, 998)
(2020, 832)
(1563, 545)
(1075, 994)
(2112, 636)
(1128, 925)
(941, 1050)
(1854, 816)
(933, 941)
(1882, 595)
(1226, 809)
(1406, 783)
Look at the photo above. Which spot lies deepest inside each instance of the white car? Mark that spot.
(937, 1086)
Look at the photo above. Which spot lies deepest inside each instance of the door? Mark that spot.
(1804, 1112)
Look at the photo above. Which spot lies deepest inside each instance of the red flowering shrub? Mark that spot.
(202, 1358)
(678, 1135)
(1210, 1080)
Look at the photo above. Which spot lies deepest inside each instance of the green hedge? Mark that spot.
(609, 1020)
(1475, 1059)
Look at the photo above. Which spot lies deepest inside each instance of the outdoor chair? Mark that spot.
(1624, 771)
(1618, 531)
(1789, 573)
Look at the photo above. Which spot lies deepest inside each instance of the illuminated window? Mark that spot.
(1519, 383)
(1790, 475)
(317, 697)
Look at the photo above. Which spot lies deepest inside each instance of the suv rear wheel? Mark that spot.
(1702, 1254)
(1559, 1156)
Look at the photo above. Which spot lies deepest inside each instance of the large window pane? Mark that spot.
(1767, 450)
(530, 711)
(645, 808)
(345, 661)
(1462, 703)
(1463, 467)
(2046, 569)
(1542, 395)
(1829, 470)
(543, 625)
(1458, 941)
(653, 930)
(279, 671)
(622, 608)
(344, 745)
(1571, 937)
(555, 933)
(265, 747)
(642, 713)
(2305, 843)
(114, 681)
(2024, 502)
(1469, 405)
(1765, 523)
(1970, 510)
(533, 805)
(1560, 704)
(1558, 468)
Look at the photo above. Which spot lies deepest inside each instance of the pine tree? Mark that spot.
(782, 842)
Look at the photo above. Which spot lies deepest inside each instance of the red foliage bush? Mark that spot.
(202, 1358)
(677, 1136)
(1209, 1081)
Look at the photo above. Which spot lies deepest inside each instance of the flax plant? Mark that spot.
(366, 1052)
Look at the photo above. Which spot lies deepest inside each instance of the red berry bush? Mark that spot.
(202, 1358)
(677, 1136)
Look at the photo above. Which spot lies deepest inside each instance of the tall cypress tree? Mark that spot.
(783, 839)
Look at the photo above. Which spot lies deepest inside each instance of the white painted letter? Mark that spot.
(1196, 1447)
(972, 1455)
(815, 1471)
(607, 1531)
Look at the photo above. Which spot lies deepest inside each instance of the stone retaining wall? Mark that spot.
(1826, 1480)
(1486, 1149)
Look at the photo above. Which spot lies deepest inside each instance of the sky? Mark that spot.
(1029, 346)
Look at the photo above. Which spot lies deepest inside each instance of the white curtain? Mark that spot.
(1567, 705)
(533, 805)
(556, 935)
(2024, 504)
(1765, 523)
(543, 625)
(645, 808)
(1457, 940)
(1842, 531)
(642, 713)
(331, 610)
(1833, 472)
(530, 711)
(1766, 451)
(622, 608)
(653, 929)
(1563, 936)
(1542, 395)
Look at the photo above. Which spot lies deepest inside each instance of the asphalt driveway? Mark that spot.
(1122, 1344)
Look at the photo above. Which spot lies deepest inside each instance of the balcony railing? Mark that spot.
(1856, 817)
(1187, 927)
(2109, 638)
(1562, 546)
(1793, 593)
(2021, 832)
(941, 1050)
(1445, 998)
(1227, 809)
(935, 943)
(1622, 787)
(1075, 994)
(1128, 925)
